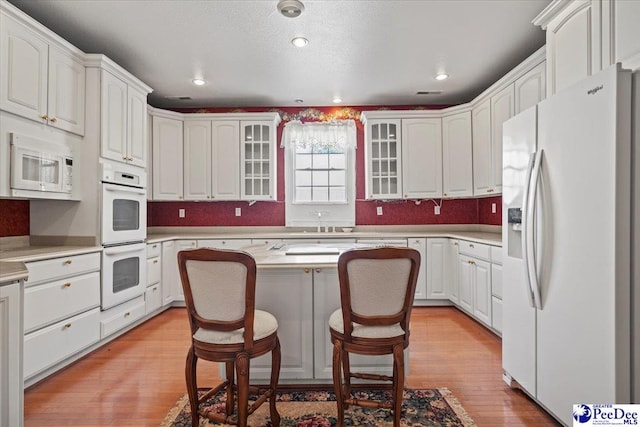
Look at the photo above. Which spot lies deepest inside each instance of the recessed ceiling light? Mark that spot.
(337, 100)
(299, 42)
(198, 82)
(299, 101)
(442, 76)
(290, 8)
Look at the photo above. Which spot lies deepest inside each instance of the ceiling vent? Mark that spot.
(429, 92)
(290, 8)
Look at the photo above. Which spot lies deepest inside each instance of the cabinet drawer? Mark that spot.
(496, 308)
(48, 346)
(51, 269)
(121, 316)
(153, 298)
(496, 254)
(476, 250)
(496, 280)
(153, 250)
(50, 302)
(154, 270)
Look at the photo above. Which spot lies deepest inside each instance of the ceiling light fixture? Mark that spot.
(299, 41)
(290, 8)
(337, 100)
(442, 76)
(198, 82)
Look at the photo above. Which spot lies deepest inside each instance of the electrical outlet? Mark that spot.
(181, 213)
(379, 210)
(436, 210)
(238, 211)
(493, 208)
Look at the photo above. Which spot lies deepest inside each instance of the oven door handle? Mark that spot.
(124, 249)
(111, 187)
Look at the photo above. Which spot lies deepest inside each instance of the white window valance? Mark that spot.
(337, 134)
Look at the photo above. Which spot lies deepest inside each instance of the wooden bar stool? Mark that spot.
(219, 291)
(377, 288)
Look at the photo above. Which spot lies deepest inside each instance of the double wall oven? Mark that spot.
(123, 231)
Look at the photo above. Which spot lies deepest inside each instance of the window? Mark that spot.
(320, 173)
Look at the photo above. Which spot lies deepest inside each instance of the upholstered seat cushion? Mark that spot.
(264, 324)
(337, 324)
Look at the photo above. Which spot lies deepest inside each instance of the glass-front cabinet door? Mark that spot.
(258, 166)
(383, 153)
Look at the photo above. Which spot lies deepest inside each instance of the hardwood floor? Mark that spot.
(137, 378)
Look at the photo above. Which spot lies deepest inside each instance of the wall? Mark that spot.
(460, 211)
(14, 218)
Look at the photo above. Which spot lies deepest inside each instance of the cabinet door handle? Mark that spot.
(66, 285)
(490, 190)
(155, 261)
(53, 120)
(307, 270)
(318, 270)
(471, 245)
(67, 262)
(128, 313)
(45, 117)
(67, 326)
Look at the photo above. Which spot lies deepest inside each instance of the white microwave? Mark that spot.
(40, 166)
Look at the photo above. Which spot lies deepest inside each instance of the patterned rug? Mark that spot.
(432, 407)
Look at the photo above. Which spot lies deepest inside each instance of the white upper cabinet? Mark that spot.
(421, 158)
(225, 160)
(502, 109)
(167, 159)
(482, 156)
(123, 121)
(530, 88)
(457, 155)
(258, 160)
(40, 81)
(626, 43)
(383, 168)
(197, 160)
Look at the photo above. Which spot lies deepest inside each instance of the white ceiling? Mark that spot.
(367, 52)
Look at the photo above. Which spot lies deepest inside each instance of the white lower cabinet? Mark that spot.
(452, 276)
(11, 384)
(61, 311)
(474, 280)
(170, 274)
(288, 295)
(153, 294)
(496, 289)
(121, 316)
(422, 286)
(232, 244)
(436, 268)
(52, 344)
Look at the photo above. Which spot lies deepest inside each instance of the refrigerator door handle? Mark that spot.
(525, 235)
(530, 230)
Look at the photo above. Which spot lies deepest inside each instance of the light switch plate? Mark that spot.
(436, 210)
(238, 211)
(181, 213)
(493, 208)
(379, 210)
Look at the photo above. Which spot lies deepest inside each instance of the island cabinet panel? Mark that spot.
(326, 299)
(288, 295)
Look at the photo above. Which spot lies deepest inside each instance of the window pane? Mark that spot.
(265, 151)
(375, 134)
(320, 178)
(265, 133)
(385, 167)
(337, 194)
(248, 185)
(337, 161)
(392, 149)
(256, 151)
(303, 194)
(376, 167)
(248, 151)
(303, 178)
(265, 187)
(337, 178)
(375, 150)
(256, 133)
(393, 168)
(265, 169)
(393, 186)
(383, 131)
(321, 161)
(320, 194)
(248, 168)
(257, 168)
(248, 133)
(383, 150)
(392, 131)
(303, 161)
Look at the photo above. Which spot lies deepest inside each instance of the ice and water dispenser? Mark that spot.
(514, 232)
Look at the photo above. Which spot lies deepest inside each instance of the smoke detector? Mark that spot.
(290, 8)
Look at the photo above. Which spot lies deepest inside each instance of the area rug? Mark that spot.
(431, 407)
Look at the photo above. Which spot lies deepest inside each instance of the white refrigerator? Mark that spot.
(567, 234)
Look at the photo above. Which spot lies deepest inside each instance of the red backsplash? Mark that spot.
(14, 218)
(485, 214)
